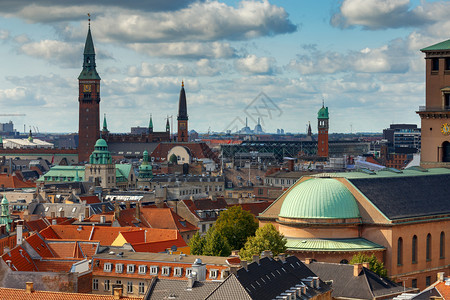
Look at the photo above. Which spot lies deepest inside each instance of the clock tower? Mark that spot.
(182, 117)
(89, 102)
(435, 115)
(322, 126)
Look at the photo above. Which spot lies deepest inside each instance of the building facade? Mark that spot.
(322, 126)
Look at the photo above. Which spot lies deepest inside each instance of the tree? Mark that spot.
(266, 238)
(197, 243)
(216, 244)
(374, 265)
(236, 225)
(173, 159)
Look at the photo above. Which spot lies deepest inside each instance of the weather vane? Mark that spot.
(89, 15)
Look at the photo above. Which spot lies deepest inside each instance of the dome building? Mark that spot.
(402, 217)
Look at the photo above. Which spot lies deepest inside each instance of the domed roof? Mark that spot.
(101, 143)
(319, 198)
(4, 200)
(323, 113)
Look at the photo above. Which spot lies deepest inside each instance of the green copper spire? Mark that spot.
(89, 71)
(30, 136)
(105, 126)
(167, 125)
(145, 169)
(150, 124)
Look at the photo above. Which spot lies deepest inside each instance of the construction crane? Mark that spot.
(12, 115)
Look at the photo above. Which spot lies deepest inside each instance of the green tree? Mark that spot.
(197, 244)
(216, 244)
(266, 238)
(374, 264)
(236, 225)
(173, 159)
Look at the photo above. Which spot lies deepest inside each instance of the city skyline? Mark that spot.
(273, 60)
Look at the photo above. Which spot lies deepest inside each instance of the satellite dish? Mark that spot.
(173, 248)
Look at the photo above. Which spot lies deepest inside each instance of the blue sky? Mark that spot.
(276, 60)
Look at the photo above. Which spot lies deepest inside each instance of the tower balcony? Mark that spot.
(434, 112)
(433, 108)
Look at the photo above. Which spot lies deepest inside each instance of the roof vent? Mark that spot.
(197, 261)
(111, 252)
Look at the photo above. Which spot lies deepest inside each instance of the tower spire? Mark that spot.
(182, 116)
(105, 126)
(150, 124)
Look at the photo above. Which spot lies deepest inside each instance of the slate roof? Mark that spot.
(164, 288)
(270, 277)
(231, 288)
(410, 194)
(367, 285)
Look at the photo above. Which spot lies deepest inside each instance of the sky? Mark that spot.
(276, 60)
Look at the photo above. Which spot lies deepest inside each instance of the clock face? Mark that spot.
(182, 126)
(445, 129)
(86, 88)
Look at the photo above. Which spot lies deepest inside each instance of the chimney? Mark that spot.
(117, 293)
(256, 259)
(191, 280)
(282, 257)
(244, 264)
(54, 222)
(19, 234)
(357, 268)
(266, 253)
(440, 276)
(103, 208)
(138, 209)
(116, 211)
(366, 265)
(308, 261)
(86, 212)
(29, 288)
(102, 219)
(235, 253)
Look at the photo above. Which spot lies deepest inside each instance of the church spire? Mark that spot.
(150, 124)
(105, 126)
(167, 125)
(89, 71)
(182, 107)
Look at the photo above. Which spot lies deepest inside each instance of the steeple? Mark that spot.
(30, 136)
(150, 124)
(167, 125)
(89, 71)
(182, 107)
(105, 126)
(309, 129)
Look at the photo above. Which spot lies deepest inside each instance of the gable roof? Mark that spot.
(18, 294)
(367, 285)
(165, 218)
(445, 45)
(164, 288)
(12, 181)
(231, 288)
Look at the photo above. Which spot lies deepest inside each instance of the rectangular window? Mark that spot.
(428, 281)
(414, 283)
(165, 271)
(203, 228)
(447, 63)
(107, 286)
(142, 269)
(141, 287)
(177, 272)
(130, 287)
(119, 282)
(435, 64)
(130, 269)
(95, 284)
(107, 267)
(188, 272)
(119, 268)
(213, 273)
(153, 270)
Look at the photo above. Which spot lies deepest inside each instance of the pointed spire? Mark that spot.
(246, 122)
(89, 71)
(150, 124)
(182, 107)
(309, 129)
(323, 102)
(167, 124)
(105, 126)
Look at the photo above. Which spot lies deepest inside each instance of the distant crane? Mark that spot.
(12, 115)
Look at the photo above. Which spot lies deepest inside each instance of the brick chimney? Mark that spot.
(440, 276)
(29, 287)
(308, 261)
(366, 265)
(357, 268)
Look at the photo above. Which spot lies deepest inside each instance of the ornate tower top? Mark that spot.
(101, 155)
(150, 124)
(105, 126)
(167, 125)
(89, 71)
(182, 107)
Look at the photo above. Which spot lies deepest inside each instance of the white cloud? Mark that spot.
(19, 96)
(55, 51)
(186, 50)
(251, 64)
(4, 34)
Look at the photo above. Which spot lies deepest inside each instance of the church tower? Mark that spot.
(322, 125)
(435, 115)
(89, 101)
(182, 117)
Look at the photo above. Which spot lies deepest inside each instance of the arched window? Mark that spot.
(442, 245)
(428, 252)
(344, 261)
(414, 250)
(400, 251)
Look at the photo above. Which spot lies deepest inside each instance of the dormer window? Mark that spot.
(107, 267)
(130, 269)
(119, 268)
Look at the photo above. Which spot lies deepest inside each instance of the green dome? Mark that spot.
(101, 143)
(323, 113)
(319, 198)
(4, 200)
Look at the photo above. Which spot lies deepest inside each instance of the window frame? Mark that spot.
(165, 271)
(129, 287)
(142, 269)
(178, 272)
(95, 284)
(119, 268)
(107, 267)
(141, 287)
(130, 269)
(107, 285)
(152, 268)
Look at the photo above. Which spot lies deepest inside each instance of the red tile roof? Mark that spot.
(39, 245)
(12, 181)
(17, 294)
(165, 218)
(19, 260)
(444, 290)
(36, 225)
(90, 199)
(255, 208)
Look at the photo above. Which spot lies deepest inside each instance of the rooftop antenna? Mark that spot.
(323, 102)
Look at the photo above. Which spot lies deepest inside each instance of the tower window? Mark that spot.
(447, 63)
(428, 249)
(435, 64)
(446, 101)
(442, 245)
(414, 250)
